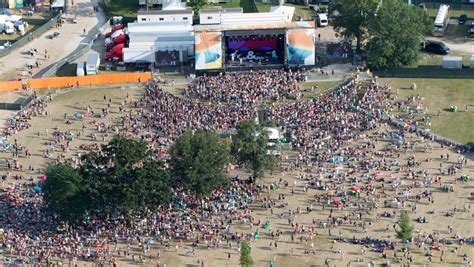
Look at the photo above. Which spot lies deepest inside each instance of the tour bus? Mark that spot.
(441, 20)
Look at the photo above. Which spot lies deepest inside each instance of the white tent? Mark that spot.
(273, 133)
(452, 62)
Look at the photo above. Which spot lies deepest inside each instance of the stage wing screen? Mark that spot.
(208, 50)
(167, 58)
(301, 48)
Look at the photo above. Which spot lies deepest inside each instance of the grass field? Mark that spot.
(427, 59)
(440, 94)
(453, 14)
(33, 24)
(247, 5)
(320, 87)
(125, 8)
(300, 11)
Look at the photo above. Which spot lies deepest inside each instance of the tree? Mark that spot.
(406, 229)
(395, 34)
(198, 160)
(196, 5)
(351, 18)
(121, 177)
(250, 148)
(245, 255)
(64, 191)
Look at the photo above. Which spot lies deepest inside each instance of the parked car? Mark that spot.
(435, 47)
(462, 19)
(471, 29)
(322, 19)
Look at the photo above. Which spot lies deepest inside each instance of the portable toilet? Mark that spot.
(452, 62)
(80, 70)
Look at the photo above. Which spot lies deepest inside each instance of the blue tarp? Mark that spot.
(4, 12)
(336, 159)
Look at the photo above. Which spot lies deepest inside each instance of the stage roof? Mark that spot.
(256, 26)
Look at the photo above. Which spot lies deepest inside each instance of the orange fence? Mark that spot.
(77, 81)
(10, 86)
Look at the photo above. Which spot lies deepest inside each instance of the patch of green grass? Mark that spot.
(456, 31)
(319, 87)
(303, 12)
(125, 8)
(247, 5)
(440, 94)
(427, 59)
(33, 24)
(263, 7)
(300, 11)
(453, 14)
(67, 70)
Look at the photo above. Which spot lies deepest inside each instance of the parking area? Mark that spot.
(457, 37)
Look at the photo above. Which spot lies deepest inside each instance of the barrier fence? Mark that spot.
(68, 82)
(16, 106)
(29, 36)
(453, 4)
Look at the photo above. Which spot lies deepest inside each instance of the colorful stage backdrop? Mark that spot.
(301, 47)
(208, 50)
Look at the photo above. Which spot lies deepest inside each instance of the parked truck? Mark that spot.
(114, 35)
(116, 53)
(122, 39)
(114, 29)
(441, 20)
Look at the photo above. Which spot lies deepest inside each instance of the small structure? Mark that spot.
(58, 5)
(80, 69)
(472, 61)
(92, 64)
(213, 15)
(452, 62)
(165, 16)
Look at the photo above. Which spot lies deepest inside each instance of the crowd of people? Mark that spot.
(247, 88)
(340, 128)
(20, 121)
(169, 115)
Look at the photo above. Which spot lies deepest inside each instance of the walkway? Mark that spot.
(71, 35)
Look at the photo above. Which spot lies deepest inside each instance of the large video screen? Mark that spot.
(255, 50)
(167, 58)
(208, 50)
(301, 46)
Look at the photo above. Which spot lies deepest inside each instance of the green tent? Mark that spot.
(256, 234)
(266, 225)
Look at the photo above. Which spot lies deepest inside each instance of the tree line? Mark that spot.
(124, 177)
(389, 31)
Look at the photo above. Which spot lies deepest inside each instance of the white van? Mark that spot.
(322, 20)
